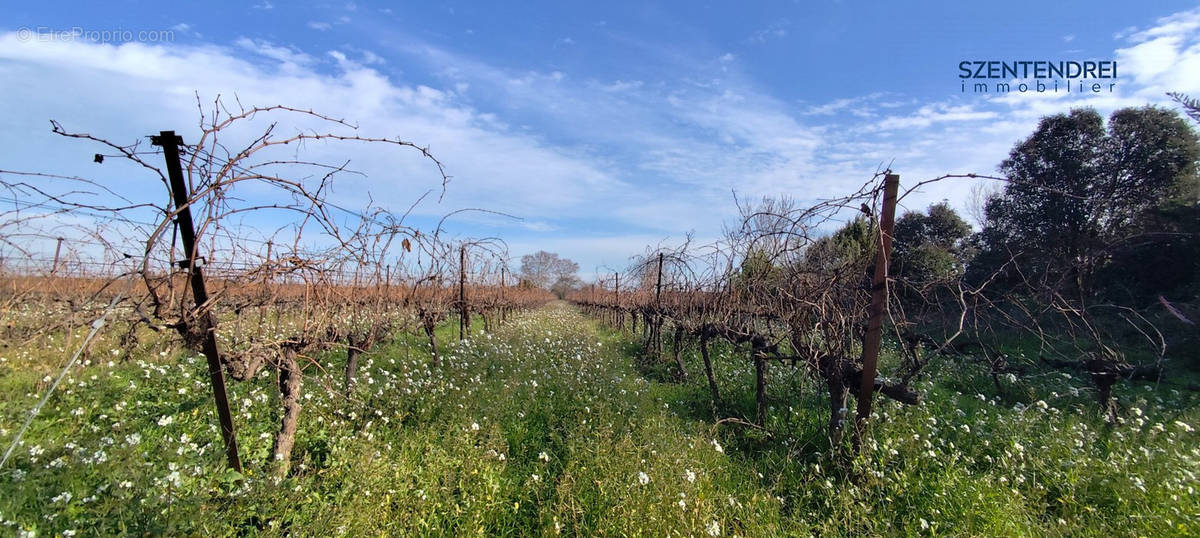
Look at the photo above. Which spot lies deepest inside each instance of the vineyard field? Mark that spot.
(549, 425)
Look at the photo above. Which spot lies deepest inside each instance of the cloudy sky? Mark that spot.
(604, 126)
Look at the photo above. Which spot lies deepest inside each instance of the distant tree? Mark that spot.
(756, 272)
(565, 284)
(544, 269)
(851, 247)
(931, 247)
(1080, 195)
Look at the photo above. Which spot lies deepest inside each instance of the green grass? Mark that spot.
(546, 426)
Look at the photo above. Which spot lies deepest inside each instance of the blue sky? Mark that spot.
(606, 127)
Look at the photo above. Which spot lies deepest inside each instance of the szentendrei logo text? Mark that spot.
(1038, 76)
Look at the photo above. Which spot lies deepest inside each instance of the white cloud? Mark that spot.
(935, 113)
(370, 58)
(776, 30)
(124, 100)
(289, 57)
(622, 85)
(1176, 24)
(859, 106)
(1165, 57)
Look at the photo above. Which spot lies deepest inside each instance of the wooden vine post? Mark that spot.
(170, 142)
(658, 320)
(872, 339)
(57, 252)
(617, 301)
(462, 291)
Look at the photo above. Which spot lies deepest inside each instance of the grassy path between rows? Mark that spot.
(547, 427)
